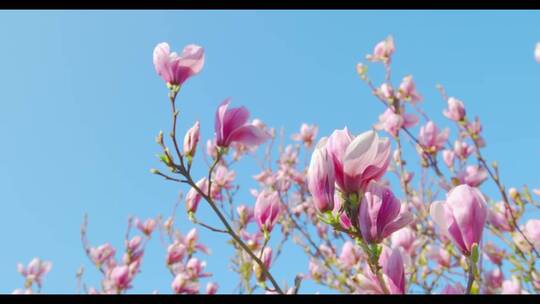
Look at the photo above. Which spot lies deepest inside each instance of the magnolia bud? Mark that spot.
(191, 140)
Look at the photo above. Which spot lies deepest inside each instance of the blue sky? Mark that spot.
(81, 104)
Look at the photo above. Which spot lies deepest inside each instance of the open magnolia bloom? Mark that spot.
(462, 216)
(175, 69)
(231, 126)
(358, 160)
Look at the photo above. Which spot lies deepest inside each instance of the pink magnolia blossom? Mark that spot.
(392, 122)
(350, 254)
(393, 271)
(462, 216)
(175, 252)
(386, 92)
(454, 289)
(532, 231)
(494, 253)
(183, 284)
(120, 277)
(456, 109)
(358, 160)
(500, 217)
(462, 149)
(405, 238)
(267, 209)
(195, 268)
(192, 244)
(494, 278)
(448, 158)
(245, 214)
(223, 177)
(175, 69)
(307, 134)
(266, 258)
(473, 175)
(192, 139)
(102, 254)
(383, 51)
(320, 178)
(35, 271)
(211, 288)
(193, 197)
(146, 227)
(512, 286)
(316, 271)
(407, 90)
(431, 138)
(380, 214)
(231, 126)
(441, 256)
(211, 148)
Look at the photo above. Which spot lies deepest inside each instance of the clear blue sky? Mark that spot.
(81, 104)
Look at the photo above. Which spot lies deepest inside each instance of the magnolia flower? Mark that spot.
(211, 288)
(266, 259)
(357, 160)
(35, 271)
(383, 51)
(245, 214)
(386, 92)
(532, 231)
(120, 277)
(494, 278)
(102, 254)
(183, 284)
(393, 271)
(267, 209)
(431, 138)
(512, 286)
(316, 271)
(392, 122)
(194, 268)
(448, 158)
(231, 126)
(350, 254)
(191, 140)
(441, 256)
(462, 216)
(405, 238)
(193, 197)
(473, 175)
(146, 227)
(175, 252)
(493, 253)
(454, 289)
(307, 134)
(407, 90)
(462, 149)
(191, 242)
(320, 178)
(379, 214)
(175, 69)
(456, 109)
(500, 217)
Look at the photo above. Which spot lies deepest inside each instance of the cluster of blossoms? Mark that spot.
(332, 197)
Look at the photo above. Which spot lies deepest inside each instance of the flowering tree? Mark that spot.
(439, 234)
